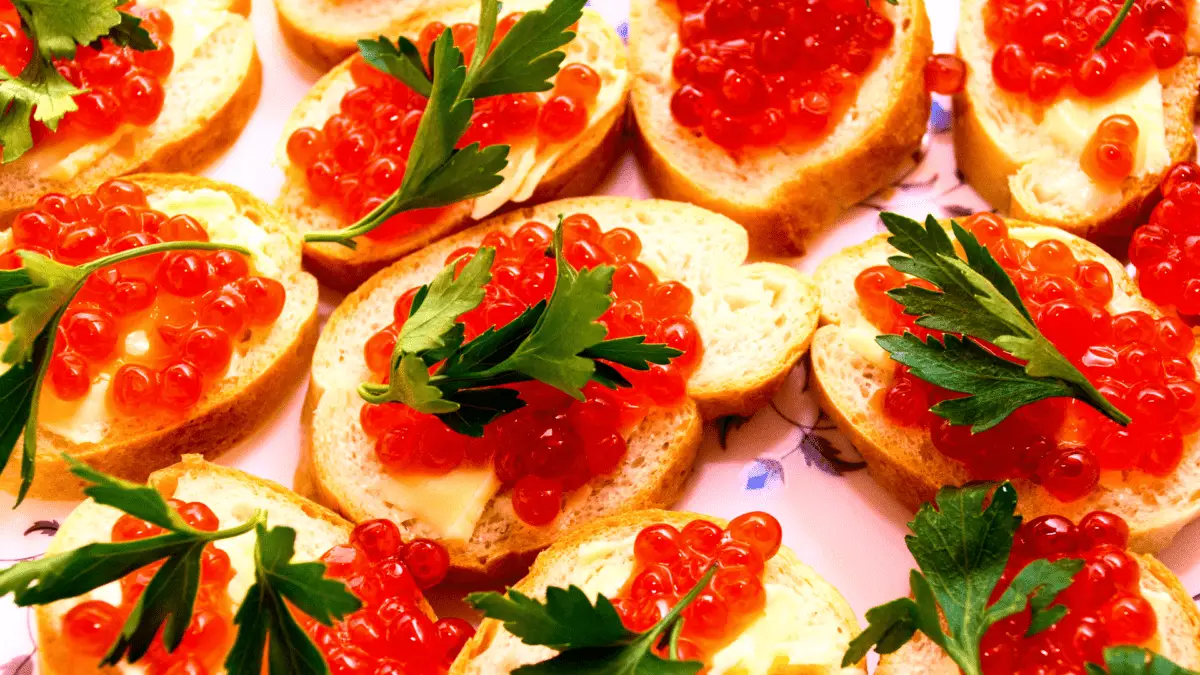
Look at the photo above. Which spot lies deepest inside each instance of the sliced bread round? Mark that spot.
(592, 558)
(781, 194)
(231, 409)
(849, 368)
(755, 321)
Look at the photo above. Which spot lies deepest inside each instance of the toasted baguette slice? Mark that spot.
(781, 194)
(1178, 635)
(755, 321)
(575, 167)
(598, 558)
(231, 409)
(233, 496)
(1018, 168)
(848, 368)
(209, 98)
(323, 32)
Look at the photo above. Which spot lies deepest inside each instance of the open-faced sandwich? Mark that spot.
(779, 116)
(161, 85)
(600, 418)
(154, 316)
(1071, 116)
(664, 586)
(351, 143)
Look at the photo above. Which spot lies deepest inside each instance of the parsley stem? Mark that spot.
(675, 631)
(1115, 25)
(161, 247)
(672, 616)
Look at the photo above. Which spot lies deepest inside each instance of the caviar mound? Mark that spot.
(571, 165)
(1163, 250)
(201, 114)
(610, 542)
(1116, 598)
(132, 444)
(781, 193)
(1001, 144)
(850, 370)
(775, 316)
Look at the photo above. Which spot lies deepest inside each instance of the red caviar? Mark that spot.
(91, 627)
(1109, 154)
(120, 85)
(1044, 46)
(774, 72)
(358, 157)
(555, 443)
(1104, 603)
(1166, 250)
(193, 306)
(945, 74)
(1139, 363)
(669, 562)
(392, 633)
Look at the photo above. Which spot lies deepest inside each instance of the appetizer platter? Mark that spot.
(676, 336)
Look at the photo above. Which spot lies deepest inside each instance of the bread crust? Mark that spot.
(813, 196)
(575, 173)
(714, 391)
(482, 648)
(989, 163)
(903, 460)
(226, 415)
(1180, 642)
(210, 132)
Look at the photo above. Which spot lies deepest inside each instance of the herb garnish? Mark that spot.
(438, 174)
(558, 343)
(975, 298)
(588, 638)
(1128, 660)
(1115, 25)
(33, 299)
(56, 29)
(961, 549)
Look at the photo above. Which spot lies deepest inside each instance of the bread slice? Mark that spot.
(781, 194)
(231, 409)
(578, 167)
(755, 321)
(1178, 635)
(233, 496)
(588, 558)
(209, 98)
(848, 368)
(1019, 170)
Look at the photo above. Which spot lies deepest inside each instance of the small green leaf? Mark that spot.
(166, 602)
(527, 58)
(141, 501)
(54, 284)
(402, 61)
(632, 352)
(567, 619)
(479, 407)
(1129, 660)
(1036, 585)
(889, 627)
(447, 298)
(130, 33)
(59, 25)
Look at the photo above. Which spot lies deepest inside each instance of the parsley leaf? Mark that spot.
(265, 623)
(59, 25)
(961, 549)
(130, 33)
(526, 59)
(39, 91)
(977, 298)
(557, 342)
(170, 596)
(52, 286)
(401, 60)
(590, 638)
(1129, 660)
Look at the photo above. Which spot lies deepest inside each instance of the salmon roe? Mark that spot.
(1104, 603)
(120, 84)
(1166, 250)
(1109, 154)
(554, 444)
(358, 157)
(1042, 46)
(91, 627)
(1139, 363)
(772, 71)
(392, 634)
(669, 562)
(191, 306)
(945, 74)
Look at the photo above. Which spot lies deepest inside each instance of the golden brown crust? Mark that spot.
(820, 191)
(220, 423)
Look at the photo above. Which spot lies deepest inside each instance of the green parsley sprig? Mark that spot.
(33, 299)
(169, 599)
(56, 30)
(590, 639)
(975, 298)
(437, 173)
(961, 549)
(1128, 660)
(558, 343)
